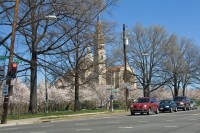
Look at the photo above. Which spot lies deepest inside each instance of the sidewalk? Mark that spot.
(21, 122)
(57, 118)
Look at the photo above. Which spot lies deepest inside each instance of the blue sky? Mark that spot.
(177, 16)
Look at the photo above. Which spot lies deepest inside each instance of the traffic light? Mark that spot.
(13, 70)
(2, 74)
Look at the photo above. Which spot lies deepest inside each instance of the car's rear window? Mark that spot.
(179, 98)
(165, 101)
(142, 100)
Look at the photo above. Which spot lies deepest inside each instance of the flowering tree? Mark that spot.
(19, 98)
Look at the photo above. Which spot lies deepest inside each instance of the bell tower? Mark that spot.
(99, 55)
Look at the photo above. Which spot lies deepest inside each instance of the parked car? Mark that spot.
(182, 102)
(193, 104)
(144, 105)
(167, 105)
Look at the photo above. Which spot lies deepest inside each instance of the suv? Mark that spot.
(144, 105)
(182, 102)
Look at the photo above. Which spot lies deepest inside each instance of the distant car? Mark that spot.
(144, 105)
(167, 105)
(193, 104)
(182, 102)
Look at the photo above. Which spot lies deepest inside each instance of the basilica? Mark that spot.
(96, 70)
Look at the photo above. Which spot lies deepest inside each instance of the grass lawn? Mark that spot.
(58, 113)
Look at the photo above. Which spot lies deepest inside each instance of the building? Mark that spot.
(98, 73)
(115, 76)
(99, 55)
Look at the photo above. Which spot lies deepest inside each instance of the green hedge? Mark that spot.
(198, 103)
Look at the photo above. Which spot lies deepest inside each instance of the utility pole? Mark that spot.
(125, 67)
(6, 98)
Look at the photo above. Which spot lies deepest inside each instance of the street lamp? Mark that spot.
(49, 17)
(147, 90)
(52, 17)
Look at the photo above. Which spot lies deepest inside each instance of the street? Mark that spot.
(177, 122)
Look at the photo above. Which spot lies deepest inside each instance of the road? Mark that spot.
(177, 122)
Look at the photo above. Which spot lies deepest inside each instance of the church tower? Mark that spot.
(99, 55)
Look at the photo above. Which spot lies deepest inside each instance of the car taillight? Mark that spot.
(132, 106)
(145, 106)
(181, 103)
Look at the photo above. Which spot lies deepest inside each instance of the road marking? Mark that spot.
(169, 120)
(143, 121)
(126, 127)
(47, 126)
(112, 122)
(192, 119)
(83, 129)
(38, 132)
(170, 126)
(80, 124)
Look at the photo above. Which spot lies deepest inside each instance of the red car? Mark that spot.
(144, 105)
(182, 102)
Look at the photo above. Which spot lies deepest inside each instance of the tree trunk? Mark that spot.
(33, 92)
(175, 85)
(146, 91)
(175, 88)
(76, 102)
(184, 90)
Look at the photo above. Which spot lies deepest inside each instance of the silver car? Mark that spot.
(193, 104)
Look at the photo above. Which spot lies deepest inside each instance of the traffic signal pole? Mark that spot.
(6, 98)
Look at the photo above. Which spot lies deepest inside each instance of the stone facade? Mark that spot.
(99, 55)
(98, 73)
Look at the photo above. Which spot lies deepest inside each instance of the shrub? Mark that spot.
(89, 105)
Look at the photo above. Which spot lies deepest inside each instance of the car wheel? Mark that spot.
(171, 110)
(184, 109)
(176, 109)
(132, 113)
(149, 111)
(157, 111)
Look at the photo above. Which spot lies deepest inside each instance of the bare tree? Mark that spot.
(38, 36)
(181, 64)
(145, 56)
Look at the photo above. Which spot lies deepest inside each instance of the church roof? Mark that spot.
(115, 68)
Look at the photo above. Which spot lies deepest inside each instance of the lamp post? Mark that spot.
(125, 42)
(6, 98)
(49, 17)
(147, 90)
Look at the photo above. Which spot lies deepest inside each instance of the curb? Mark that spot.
(56, 118)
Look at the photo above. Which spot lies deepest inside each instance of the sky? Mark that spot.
(176, 16)
(181, 17)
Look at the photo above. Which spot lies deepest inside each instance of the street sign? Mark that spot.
(5, 90)
(17, 60)
(111, 97)
(7, 57)
(2, 73)
(114, 90)
(4, 57)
